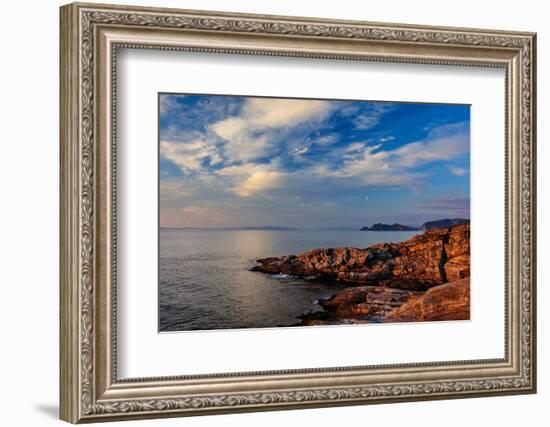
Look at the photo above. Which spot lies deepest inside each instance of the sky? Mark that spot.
(237, 161)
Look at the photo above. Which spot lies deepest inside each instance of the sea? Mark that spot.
(205, 282)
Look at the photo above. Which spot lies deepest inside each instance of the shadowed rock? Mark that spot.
(443, 223)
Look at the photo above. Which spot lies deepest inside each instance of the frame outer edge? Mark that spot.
(305, 19)
(68, 227)
(533, 211)
(78, 403)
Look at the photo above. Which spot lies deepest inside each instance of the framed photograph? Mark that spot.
(266, 212)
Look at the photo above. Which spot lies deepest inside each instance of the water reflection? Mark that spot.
(205, 282)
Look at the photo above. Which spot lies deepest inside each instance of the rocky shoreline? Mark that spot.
(425, 278)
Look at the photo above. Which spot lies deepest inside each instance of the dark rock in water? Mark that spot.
(430, 225)
(316, 315)
(389, 227)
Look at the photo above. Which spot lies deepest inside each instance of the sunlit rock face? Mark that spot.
(450, 301)
(425, 278)
(429, 259)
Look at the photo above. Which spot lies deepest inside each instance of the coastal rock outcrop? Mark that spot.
(450, 301)
(367, 301)
(433, 258)
(367, 304)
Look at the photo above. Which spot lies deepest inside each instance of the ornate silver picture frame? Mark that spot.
(91, 35)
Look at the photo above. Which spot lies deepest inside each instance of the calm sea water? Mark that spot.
(205, 282)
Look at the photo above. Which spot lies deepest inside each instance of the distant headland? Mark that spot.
(430, 225)
(389, 227)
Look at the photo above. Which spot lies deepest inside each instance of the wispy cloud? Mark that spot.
(250, 134)
(325, 139)
(258, 182)
(252, 179)
(191, 155)
(447, 204)
(455, 170)
(299, 151)
(245, 159)
(246, 136)
(373, 165)
(168, 103)
(366, 116)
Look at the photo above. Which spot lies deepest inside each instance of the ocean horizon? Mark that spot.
(275, 228)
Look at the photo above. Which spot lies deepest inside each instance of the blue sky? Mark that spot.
(232, 161)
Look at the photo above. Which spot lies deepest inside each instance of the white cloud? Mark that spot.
(305, 147)
(458, 171)
(448, 204)
(190, 155)
(354, 151)
(242, 144)
(366, 121)
(258, 182)
(366, 118)
(326, 140)
(253, 179)
(271, 113)
(230, 128)
(248, 135)
(373, 166)
(422, 152)
(168, 103)
(299, 151)
(237, 170)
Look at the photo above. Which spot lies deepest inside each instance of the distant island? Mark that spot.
(430, 225)
(389, 227)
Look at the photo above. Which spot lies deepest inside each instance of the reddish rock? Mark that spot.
(457, 265)
(450, 301)
(458, 268)
(422, 279)
(368, 301)
(359, 304)
(426, 260)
